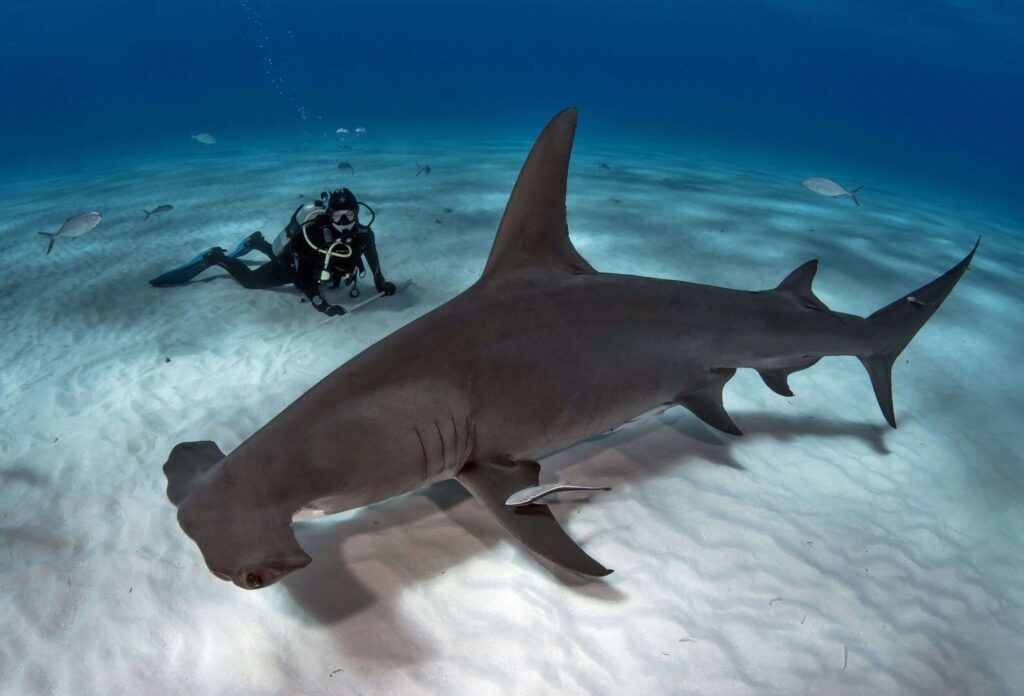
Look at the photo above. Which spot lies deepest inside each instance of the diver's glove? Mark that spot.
(321, 305)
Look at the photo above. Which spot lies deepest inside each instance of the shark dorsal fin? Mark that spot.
(799, 283)
(533, 231)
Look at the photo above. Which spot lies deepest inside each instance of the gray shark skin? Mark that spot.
(540, 353)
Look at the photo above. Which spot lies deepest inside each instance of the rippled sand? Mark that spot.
(821, 552)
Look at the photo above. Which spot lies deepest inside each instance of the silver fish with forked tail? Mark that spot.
(74, 226)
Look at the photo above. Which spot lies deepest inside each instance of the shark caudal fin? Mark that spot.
(187, 462)
(895, 326)
(533, 231)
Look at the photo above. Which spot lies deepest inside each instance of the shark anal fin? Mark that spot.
(778, 379)
(492, 483)
(186, 463)
(706, 402)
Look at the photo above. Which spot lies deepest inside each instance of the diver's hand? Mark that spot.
(334, 310)
(388, 288)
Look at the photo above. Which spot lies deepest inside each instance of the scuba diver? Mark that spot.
(323, 244)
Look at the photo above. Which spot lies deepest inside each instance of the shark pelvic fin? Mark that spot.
(492, 483)
(799, 284)
(706, 402)
(187, 462)
(533, 231)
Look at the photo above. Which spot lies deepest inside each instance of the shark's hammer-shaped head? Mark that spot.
(249, 547)
(244, 536)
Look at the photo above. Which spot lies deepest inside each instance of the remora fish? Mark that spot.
(74, 226)
(531, 495)
(157, 210)
(827, 187)
(540, 353)
(205, 138)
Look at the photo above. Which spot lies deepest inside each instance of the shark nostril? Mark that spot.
(254, 580)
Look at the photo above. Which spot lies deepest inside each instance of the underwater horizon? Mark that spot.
(926, 92)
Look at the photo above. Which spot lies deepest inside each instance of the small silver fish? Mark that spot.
(360, 131)
(425, 169)
(528, 496)
(204, 138)
(74, 226)
(343, 131)
(827, 187)
(346, 167)
(157, 210)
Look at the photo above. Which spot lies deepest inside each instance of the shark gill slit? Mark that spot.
(456, 449)
(426, 460)
(440, 437)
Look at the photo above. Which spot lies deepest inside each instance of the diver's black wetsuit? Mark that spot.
(302, 260)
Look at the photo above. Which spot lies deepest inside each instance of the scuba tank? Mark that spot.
(303, 214)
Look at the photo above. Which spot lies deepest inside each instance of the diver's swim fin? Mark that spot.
(247, 245)
(183, 273)
(188, 271)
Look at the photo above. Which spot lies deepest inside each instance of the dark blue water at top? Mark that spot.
(930, 90)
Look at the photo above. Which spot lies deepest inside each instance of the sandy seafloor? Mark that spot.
(820, 553)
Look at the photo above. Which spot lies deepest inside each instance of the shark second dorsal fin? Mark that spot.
(533, 231)
(799, 284)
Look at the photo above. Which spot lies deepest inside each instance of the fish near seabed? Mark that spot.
(74, 226)
(541, 352)
(159, 210)
(346, 167)
(827, 187)
(205, 138)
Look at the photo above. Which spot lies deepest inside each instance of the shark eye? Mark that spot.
(254, 580)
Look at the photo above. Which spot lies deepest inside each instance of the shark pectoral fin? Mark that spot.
(706, 402)
(492, 483)
(186, 463)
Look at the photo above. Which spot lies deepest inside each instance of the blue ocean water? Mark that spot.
(931, 92)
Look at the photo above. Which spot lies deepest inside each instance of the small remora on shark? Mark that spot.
(540, 353)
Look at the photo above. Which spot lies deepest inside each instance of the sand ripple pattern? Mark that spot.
(819, 554)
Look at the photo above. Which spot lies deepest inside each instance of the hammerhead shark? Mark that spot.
(542, 351)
